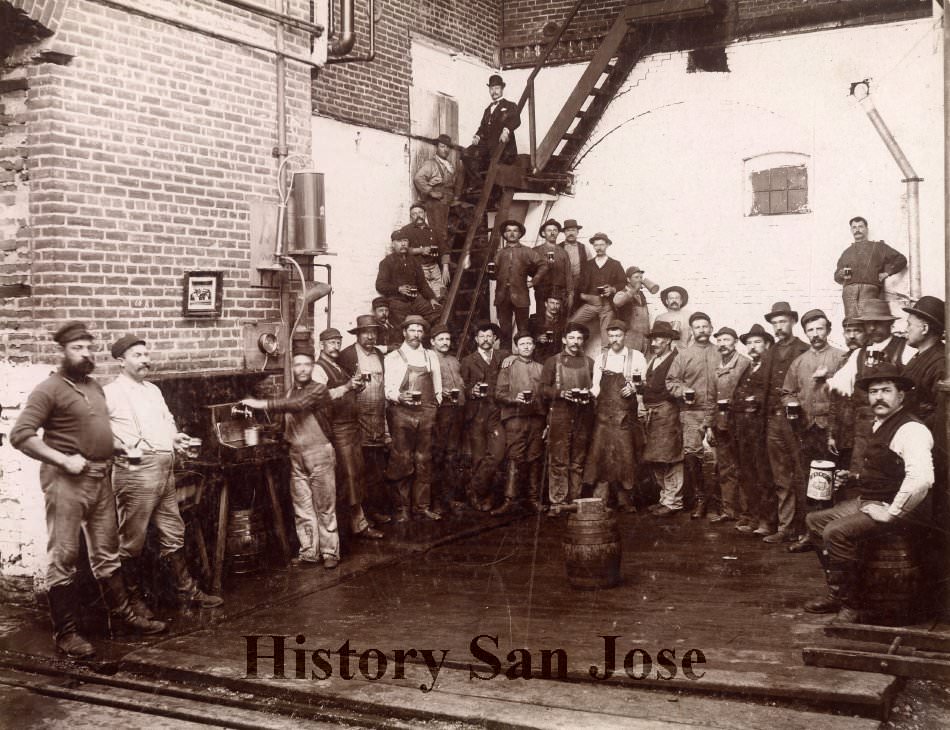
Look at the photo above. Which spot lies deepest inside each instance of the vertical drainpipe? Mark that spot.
(281, 152)
(942, 501)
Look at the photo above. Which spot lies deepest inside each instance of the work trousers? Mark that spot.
(787, 475)
(570, 429)
(853, 294)
(144, 494)
(669, 477)
(842, 529)
(313, 492)
(523, 438)
(433, 275)
(756, 498)
(486, 445)
(602, 313)
(79, 503)
(446, 455)
(410, 457)
(400, 308)
(377, 499)
(437, 213)
(505, 311)
(728, 468)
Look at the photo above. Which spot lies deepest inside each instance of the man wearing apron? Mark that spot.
(414, 390)
(612, 460)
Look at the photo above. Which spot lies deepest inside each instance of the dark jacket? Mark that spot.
(396, 270)
(504, 116)
(349, 360)
(513, 266)
(593, 276)
(867, 260)
(476, 370)
(776, 361)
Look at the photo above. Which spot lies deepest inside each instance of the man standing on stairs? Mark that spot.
(76, 453)
(438, 183)
(430, 247)
(403, 283)
(692, 379)
(559, 264)
(518, 392)
(601, 278)
(499, 122)
(145, 486)
(514, 263)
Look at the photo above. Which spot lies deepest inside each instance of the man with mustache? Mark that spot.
(675, 299)
(547, 326)
(695, 370)
(577, 254)
(632, 308)
(842, 407)
(806, 384)
(601, 278)
(925, 328)
(447, 445)
(559, 276)
(781, 441)
(514, 263)
(145, 487)
(853, 332)
(439, 183)
(403, 282)
(863, 267)
(389, 336)
(566, 380)
(663, 447)
(430, 247)
(76, 454)
(896, 476)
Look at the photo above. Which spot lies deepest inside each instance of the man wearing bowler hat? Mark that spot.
(780, 439)
(756, 498)
(925, 328)
(499, 122)
(413, 392)
(364, 360)
(514, 263)
(577, 253)
(897, 473)
(559, 276)
(143, 476)
(402, 281)
(438, 184)
(675, 299)
(864, 266)
(76, 453)
(447, 444)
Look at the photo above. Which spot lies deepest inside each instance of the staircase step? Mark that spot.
(599, 91)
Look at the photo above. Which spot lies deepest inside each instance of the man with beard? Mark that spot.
(863, 267)
(756, 496)
(547, 326)
(559, 276)
(143, 480)
(308, 430)
(402, 281)
(692, 380)
(345, 420)
(663, 449)
(430, 247)
(612, 461)
(363, 359)
(897, 473)
(566, 380)
(925, 327)
(632, 308)
(486, 439)
(447, 445)
(438, 186)
(781, 441)
(675, 299)
(389, 336)
(806, 384)
(514, 263)
(518, 391)
(414, 391)
(732, 367)
(577, 254)
(76, 454)
(601, 278)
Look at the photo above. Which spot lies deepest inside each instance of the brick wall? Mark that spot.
(376, 94)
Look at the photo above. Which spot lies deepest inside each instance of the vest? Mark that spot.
(883, 470)
(654, 383)
(342, 410)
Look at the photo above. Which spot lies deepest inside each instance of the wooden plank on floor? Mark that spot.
(865, 661)
(917, 638)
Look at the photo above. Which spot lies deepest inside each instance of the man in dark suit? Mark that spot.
(499, 122)
(514, 263)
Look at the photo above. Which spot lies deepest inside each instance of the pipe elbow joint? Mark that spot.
(342, 45)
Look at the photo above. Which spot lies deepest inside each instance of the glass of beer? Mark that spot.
(551, 257)
(454, 395)
(491, 268)
(416, 396)
(526, 396)
(793, 410)
(689, 396)
(193, 448)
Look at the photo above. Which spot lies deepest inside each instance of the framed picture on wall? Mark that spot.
(202, 294)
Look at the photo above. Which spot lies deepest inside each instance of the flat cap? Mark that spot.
(727, 331)
(414, 319)
(439, 329)
(380, 302)
(124, 343)
(617, 324)
(699, 315)
(331, 333)
(814, 314)
(70, 332)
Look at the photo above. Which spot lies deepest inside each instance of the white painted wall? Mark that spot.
(663, 174)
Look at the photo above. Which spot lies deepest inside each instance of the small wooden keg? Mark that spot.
(889, 592)
(591, 546)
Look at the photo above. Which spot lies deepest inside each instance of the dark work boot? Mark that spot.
(188, 591)
(62, 610)
(121, 616)
(535, 469)
(841, 576)
(133, 587)
(693, 467)
(510, 503)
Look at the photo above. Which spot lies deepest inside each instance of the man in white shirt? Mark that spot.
(413, 387)
(891, 486)
(143, 477)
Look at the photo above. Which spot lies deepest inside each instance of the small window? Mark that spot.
(778, 189)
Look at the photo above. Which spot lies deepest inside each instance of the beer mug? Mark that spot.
(602, 290)
(416, 396)
(550, 257)
(689, 396)
(193, 448)
(491, 268)
(133, 455)
(846, 272)
(526, 395)
(793, 410)
(482, 390)
(454, 395)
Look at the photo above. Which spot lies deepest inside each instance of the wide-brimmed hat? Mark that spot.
(571, 223)
(814, 314)
(600, 237)
(70, 332)
(444, 139)
(875, 310)
(331, 333)
(930, 308)
(495, 80)
(663, 329)
(415, 319)
(512, 222)
(617, 324)
(669, 290)
(699, 315)
(486, 325)
(549, 222)
(781, 309)
(727, 331)
(365, 322)
(884, 371)
(124, 343)
(756, 330)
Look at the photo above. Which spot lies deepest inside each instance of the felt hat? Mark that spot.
(124, 343)
(633, 270)
(851, 322)
(495, 80)
(617, 324)
(930, 308)
(669, 290)
(600, 237)
(523, 333)
(365, 322)
(549, 222)
(444, 139)
(699, 315)
(332, 333)
(757, 330)
(380, 302)
(512, 222)
(814, 314)
(70, 332)
(781, 308)
(874, 310)
(884, 371)
(415, 319)
(577, 327)
(571, 223)
(727, 331)
(439, 329)
(663, 329)
(398, 235)
(303, 348)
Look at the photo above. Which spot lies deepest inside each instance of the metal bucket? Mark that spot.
(821, 480)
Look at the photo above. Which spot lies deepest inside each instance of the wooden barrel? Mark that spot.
(592, 549)
(246, 540)
(889, 591)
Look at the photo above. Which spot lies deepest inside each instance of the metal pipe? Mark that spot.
(289, 20)
(372, 40)
(532, 126)
(344, 43)
(943, 410)
(863, 93)
(204, 30)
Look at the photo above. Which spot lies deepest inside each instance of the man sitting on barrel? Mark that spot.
(888, 491)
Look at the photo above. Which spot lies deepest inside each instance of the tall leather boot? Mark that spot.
(188, 591)
(121, 616)
(510, 503)
(62, 610)
(693, 466)
(133, 587)
(535, 471)
(841, 577)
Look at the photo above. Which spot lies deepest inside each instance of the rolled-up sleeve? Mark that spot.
(914, 444)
